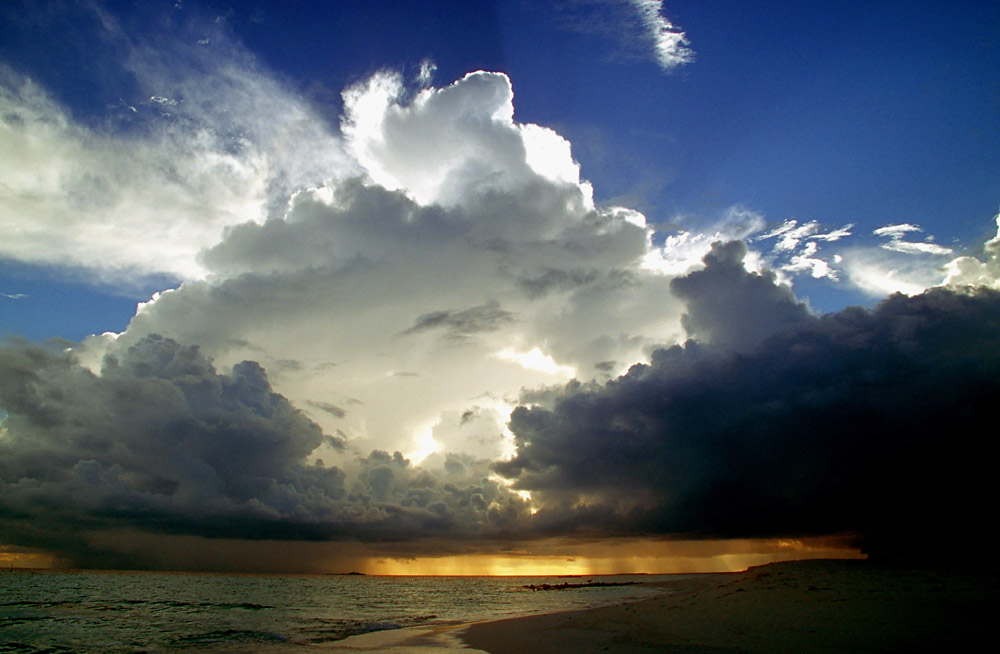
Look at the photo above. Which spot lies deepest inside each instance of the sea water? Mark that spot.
(118, 612)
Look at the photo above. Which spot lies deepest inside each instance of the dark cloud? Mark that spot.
(163, 443)
(550, 280)
(863, 421)
(159, 435)
(460, 325)
(731, 308)
(331, 409)
(458, 500)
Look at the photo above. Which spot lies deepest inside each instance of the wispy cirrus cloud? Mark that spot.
(204, 138)
(670, 44)
(637, 29)
(897, 243)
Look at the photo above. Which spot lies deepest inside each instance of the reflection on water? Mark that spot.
(118, 612)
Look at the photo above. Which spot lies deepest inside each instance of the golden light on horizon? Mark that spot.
(631, 556)
(11, 557)
(554, 557)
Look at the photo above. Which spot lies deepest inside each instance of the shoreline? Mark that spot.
(449, 637)
(809, 607)
(802, 606)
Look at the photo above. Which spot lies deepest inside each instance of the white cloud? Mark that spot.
(535, 359)
(469, 234)
(479, 430)
(897, 231)
(836, 234)
(806, 262)
(212, 141)
(637, 30)
(669, 43)
(70, 195)
(910, 267)
(796, 248)
(977, 271)
(896, 234)
(683, 251)
(790, 234)
(447, 144)
(878, 275)
(916, 248)
(426, 73)
(895, 265)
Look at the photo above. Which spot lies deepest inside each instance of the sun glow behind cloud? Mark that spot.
(535, 359)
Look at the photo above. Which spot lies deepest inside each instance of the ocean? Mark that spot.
(53, 612)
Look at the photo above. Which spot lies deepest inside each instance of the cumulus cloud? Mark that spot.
(859, 421)
(406, 283)
(158, 435)
(448, 144)
(971, 271)
(404, 308)
(466, 267)
(732, 308)
(161, 442)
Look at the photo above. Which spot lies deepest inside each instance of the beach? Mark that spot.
(807, 606)
(804, 606)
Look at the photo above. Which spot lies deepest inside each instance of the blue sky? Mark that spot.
(395, 253)
(863, 113)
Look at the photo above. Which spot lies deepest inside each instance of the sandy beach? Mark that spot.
(806, 606)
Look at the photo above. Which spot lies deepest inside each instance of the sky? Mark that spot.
(586, 286)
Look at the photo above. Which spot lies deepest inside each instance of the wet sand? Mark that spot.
(435, 639)
(805, 606)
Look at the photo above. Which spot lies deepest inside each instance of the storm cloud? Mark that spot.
(861, 422)
(871, 422)
(732, 308)
(372, 308)
(162, 442)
